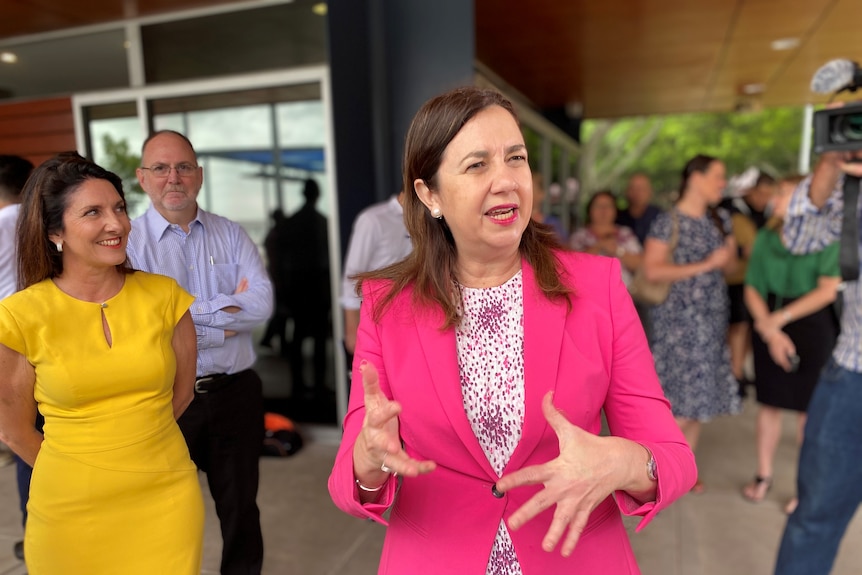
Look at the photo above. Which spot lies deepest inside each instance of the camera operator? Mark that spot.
(830, 466)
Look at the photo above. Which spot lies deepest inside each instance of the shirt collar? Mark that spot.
(157, 225)
(394, 205)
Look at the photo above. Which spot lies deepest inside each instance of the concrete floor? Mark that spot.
(716, 533)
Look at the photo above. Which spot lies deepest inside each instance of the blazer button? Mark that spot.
(496, 493)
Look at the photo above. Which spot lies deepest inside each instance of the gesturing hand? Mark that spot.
(578, 480)
(379, 436)
(781, 348)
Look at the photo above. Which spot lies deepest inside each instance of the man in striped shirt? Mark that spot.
(830, 464)
(214, 260)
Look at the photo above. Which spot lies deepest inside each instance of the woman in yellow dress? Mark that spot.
(107, 354)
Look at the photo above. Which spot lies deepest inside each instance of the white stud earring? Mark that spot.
(59, 245)
(437, 213)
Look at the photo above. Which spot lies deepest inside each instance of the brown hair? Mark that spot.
(45, 197)
(700, 164)
(430, 267)
(601, 193)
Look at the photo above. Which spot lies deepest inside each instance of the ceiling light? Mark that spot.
(8, 57)
(784, 44)
(319, 8)
(754, 88)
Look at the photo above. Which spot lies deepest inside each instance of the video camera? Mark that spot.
(838, 129)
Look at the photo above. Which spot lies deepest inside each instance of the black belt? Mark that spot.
(214, 382)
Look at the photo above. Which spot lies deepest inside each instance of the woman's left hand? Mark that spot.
(585, 473)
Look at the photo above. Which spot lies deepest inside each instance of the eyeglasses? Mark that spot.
(163, 170)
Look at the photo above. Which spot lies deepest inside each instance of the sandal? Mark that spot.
(756, 491)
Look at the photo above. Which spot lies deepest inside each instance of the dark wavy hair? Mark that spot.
(430, 267)
(14, 171)
(596, 196)
(700, 164)
(45, 197)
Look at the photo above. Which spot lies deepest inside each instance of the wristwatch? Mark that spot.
(651, 467)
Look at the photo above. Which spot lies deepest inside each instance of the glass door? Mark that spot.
(263, 151)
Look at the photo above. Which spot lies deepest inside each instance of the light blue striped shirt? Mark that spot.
(807, 229)
(209, 262)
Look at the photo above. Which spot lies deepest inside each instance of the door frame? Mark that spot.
(303, 75)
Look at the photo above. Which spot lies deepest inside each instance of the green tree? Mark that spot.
(122, 161)
(659, 146)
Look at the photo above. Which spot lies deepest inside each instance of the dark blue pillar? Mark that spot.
(386, 58)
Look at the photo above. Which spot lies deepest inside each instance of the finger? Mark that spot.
(243, 286)
(554, 416)
(400, 463)
(576, 529)
(379, 409)
(782, 361)
(532, 475)
(536, 504)
(852, 168)
(370, 384)
(558, 526)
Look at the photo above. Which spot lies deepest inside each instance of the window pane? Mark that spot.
(268, 38)
(115, 139)
(66, 65)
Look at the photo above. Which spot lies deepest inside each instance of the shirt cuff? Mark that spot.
(204, 311)
(209, 337)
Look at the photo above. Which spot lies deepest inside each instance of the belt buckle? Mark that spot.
(201, 380)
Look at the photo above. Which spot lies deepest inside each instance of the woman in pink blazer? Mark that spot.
(486, 358)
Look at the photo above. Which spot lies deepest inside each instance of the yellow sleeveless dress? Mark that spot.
(113, 489)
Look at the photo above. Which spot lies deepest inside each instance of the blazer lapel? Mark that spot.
(441, 355)
(544, 325)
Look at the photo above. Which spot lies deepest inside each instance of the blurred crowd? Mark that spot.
(740, 314)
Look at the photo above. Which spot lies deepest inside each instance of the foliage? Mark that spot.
(612, 150)
(122, 161)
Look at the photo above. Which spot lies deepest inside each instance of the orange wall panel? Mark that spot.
(37, 129)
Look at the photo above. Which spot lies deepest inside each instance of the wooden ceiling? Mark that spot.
(608, 58)
(640, 57)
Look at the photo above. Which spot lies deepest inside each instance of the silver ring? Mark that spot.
(383, 467)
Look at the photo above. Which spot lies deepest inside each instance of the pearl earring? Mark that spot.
(437, 213)
(59, 245)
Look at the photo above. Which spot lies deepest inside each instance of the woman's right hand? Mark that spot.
(780, 349)
(378, 443)
(718, 258)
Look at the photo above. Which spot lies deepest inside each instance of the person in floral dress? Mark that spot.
(690, 327)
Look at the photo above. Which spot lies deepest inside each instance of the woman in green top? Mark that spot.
(789, 298)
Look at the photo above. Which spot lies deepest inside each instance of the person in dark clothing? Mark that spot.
(748, 213)
(639, 216)
(308, 290)
(640, 213)
(274, 244)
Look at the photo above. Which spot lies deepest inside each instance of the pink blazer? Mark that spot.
(594, 357)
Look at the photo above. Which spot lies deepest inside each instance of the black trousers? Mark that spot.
(224, 432)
